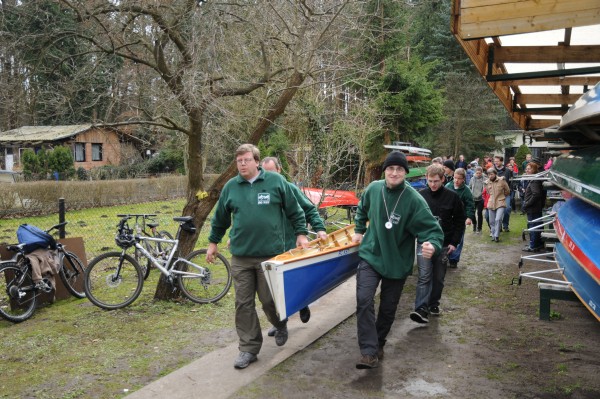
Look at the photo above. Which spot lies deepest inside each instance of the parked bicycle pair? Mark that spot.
(19, 294)
(114, 280)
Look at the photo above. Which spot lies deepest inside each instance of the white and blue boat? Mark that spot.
(301, 276)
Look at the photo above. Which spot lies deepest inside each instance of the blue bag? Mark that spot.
(34, 238)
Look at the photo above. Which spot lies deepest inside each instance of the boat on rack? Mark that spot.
(578, 227)
(299, 277)
(579, 173)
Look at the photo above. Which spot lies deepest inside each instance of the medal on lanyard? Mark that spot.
(388, 224)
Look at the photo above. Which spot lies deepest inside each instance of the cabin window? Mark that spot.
(97, 152)
(79, 152)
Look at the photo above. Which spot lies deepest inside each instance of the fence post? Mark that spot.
(61, 217)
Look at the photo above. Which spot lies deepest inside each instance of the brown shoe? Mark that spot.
(367, 362)
(380, 353)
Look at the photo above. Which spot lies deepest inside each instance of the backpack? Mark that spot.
(34, 238)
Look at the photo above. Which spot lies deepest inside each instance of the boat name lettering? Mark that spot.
(343, 252)
(592, 305)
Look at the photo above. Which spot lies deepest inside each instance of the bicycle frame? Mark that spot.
(168, 267)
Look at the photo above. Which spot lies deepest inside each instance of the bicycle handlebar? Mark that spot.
(144, 215)
(57, 226)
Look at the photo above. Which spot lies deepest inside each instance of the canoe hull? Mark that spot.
(578, 229)
(584, 286)
(579, 173)
(301, 276)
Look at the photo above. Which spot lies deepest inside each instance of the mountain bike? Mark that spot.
(114, 280)
(19, 294)
(158, 249)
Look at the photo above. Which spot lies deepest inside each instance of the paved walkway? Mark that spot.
(217, 367)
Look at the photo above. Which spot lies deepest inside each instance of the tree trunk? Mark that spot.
(200, 203)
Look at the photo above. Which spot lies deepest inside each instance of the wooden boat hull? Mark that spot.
(579, 173)
(301, 276)
(578, 229)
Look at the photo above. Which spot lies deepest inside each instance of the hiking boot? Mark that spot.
(272, 331)
(244, 359)
(281, 336)
(305, 315)
(367, 362)
(419, 316)
(434, 310)
(452, 265)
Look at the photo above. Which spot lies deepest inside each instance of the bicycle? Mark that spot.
(157, 249)
(114, 280)
(18, 292)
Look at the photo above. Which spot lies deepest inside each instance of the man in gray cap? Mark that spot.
(396, 216)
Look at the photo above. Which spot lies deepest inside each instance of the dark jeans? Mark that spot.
(372, 332)
(478, 222)
(454, 256)
(506, 217)
(535, 237)
(430, 284)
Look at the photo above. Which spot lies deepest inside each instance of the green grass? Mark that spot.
(72, 349)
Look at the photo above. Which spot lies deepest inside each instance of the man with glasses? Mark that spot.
(389, 217)
(448, 209)
(459, 186)
(260, 205)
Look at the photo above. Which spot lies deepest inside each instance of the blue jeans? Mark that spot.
(496, 216)
(430, 284)
(506, 217)
(535, 237)
(372, 332)
(454, 257)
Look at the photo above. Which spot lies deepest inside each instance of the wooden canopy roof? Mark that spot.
(538, 56)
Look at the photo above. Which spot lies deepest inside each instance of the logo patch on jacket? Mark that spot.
(264, 198)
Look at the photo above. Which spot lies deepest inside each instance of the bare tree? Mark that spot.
(204, 59)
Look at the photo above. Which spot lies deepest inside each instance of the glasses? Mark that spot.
(244, 161)
(395, 169)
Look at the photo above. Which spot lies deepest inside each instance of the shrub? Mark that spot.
(520, 156)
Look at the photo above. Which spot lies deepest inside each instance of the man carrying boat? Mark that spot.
(397, 215)
(260, 204)
(271, 164)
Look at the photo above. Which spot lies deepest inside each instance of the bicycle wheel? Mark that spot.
(206, 282)
(72, 274)
(18, 297)
(110, 285)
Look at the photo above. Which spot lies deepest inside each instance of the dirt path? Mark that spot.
(488, 343)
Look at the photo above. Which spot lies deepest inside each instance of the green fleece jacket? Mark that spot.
(260, 211)
(391, 252)
(310, 213)
(466, 196)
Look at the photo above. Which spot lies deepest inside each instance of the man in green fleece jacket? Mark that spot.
(271, 164)
(397, 215)
(260, 202)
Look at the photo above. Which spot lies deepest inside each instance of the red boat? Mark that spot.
(326, 198)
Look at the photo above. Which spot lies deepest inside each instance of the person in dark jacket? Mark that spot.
(389, 217)
(256, 205)
(533, 204)
(448, 209)
(448, 171)
(459, 187)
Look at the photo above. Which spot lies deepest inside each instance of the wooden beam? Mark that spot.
(547, 54)
(564, 99)
(535, 124)
(556, 81)
(486, 18)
